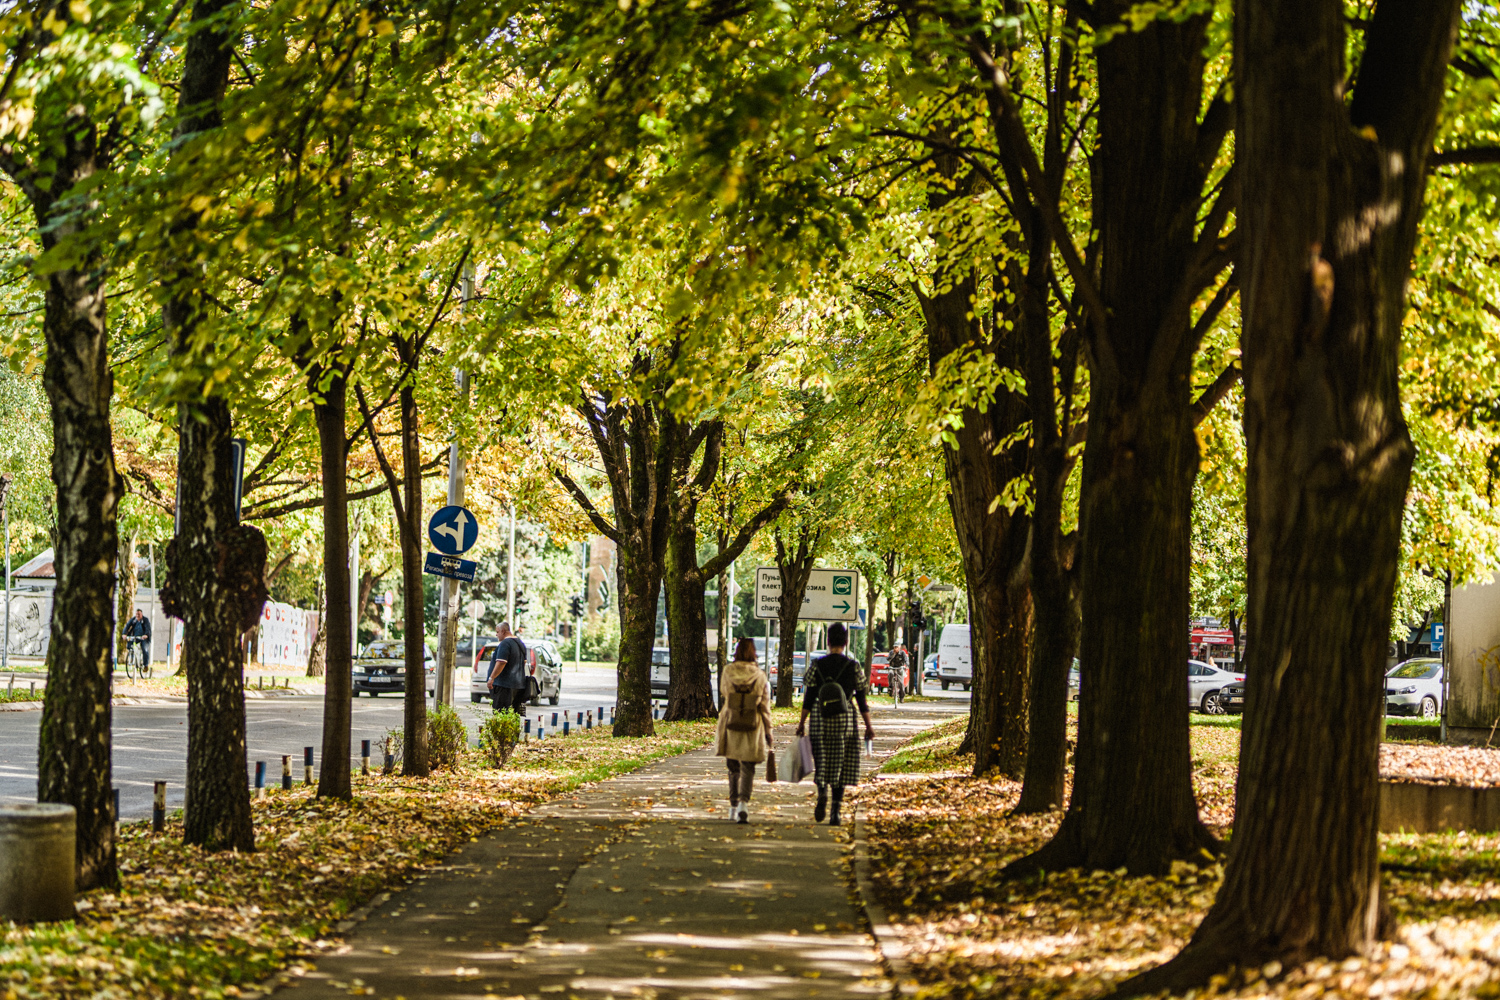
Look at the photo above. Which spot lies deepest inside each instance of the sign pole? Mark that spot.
(448, 588)
(510, 574)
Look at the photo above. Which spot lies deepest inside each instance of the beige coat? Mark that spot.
(732, 743)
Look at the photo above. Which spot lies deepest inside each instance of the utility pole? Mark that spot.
(448, 588)
(510, 574)
(583, 603)
(5, 482)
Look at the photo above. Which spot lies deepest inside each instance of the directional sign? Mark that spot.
(832, 595)
(450, 566)
(453, 530)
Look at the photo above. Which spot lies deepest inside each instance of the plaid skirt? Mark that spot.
(835, 747)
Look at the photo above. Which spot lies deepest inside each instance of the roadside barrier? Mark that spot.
(307, 765)
(37, 846)
(364, 756)
(159, 807)
(286, 772)
(260, 779)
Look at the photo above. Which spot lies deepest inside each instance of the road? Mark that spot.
(150, 741)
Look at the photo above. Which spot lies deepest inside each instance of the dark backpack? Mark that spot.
(832, 698)
(742, 714)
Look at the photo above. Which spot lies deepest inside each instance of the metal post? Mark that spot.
(359, 517)
(159, 807)
(260, 779)
(5, 517)
(510, 574)
(583, 607)
(286, 772)
(1447, 659)
(364, 756)
(307, 765)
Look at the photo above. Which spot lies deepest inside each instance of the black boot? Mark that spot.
(838, 800)
(821, 809)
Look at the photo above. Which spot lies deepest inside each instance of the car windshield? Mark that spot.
(385, 651)
(1416, 670)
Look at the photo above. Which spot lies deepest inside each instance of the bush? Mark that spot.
(601, 638)
(447, 739)
(498, 735)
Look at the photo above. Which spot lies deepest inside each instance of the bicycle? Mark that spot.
(137, 666)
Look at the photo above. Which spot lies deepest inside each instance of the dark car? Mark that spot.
(381, 668)
(1232, 698)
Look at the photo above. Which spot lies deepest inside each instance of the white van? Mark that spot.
(955, 661)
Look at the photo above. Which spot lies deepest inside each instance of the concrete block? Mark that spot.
(37, 861)
(1419, 808)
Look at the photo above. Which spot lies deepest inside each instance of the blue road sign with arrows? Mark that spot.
(453, 530)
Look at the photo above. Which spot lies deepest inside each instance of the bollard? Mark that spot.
(117, 806)
(541, 734)
(655, 712)
(591, 719)
(159, 807)
(554, 720)
(565, 727)
(390, 756)
(307, 758)
(580, 718)
(37, 846)
(364, 756)
(600, 716)
(611, 715)
(526, 733)
(260, 779)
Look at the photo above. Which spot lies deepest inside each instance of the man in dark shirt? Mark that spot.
(138, 632)
(507, 679)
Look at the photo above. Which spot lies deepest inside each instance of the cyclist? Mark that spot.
(138, 636)
(896, 667)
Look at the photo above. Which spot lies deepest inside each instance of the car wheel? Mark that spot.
(1429, 708)
(966, 687)
(374, 694)
(476, 699)
(1210, 704)
(945, 685)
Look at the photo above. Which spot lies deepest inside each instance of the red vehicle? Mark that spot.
(880, 675)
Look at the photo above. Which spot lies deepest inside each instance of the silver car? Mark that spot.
(1205, 682)
(1415, 688)
(380, 668)
(544, 671)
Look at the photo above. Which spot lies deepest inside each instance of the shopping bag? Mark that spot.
(805, 746)
(791, 763)
(770, 765)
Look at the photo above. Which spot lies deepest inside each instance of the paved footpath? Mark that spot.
(639, 886)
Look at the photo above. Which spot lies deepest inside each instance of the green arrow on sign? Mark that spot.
(842, 607)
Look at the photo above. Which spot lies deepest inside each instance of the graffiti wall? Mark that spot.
(285, 636)
(1473, 638)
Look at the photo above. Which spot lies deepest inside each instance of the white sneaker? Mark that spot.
(734, 812)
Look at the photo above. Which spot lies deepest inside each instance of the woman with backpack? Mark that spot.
(832, 688)
(744, 725)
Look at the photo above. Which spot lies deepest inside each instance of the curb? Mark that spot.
(892, 948)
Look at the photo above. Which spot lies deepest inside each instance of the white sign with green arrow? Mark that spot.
(832, 595)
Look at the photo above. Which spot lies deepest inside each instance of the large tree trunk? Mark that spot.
(1132, 804)
(414, 715)
(329, 409)
(991, 538)
(217, 566)
(73, 759)
(638, 581)
(690, 690)
(795, 564)
(1337, 195)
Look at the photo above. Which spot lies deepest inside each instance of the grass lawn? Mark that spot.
(186, 923)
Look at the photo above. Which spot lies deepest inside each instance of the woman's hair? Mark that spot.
(744, 651)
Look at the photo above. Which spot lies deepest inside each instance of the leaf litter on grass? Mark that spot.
(939, 838)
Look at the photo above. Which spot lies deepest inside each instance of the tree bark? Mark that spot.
(690, 689)
(73, 757)
(216, 565)
(638, 582)
(1337, 193)
(129, 583)
(414, 715)
(330, 389)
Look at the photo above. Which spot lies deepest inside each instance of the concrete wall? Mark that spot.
(1474, 657)
(31, 623)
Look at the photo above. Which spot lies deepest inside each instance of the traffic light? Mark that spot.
(603, 595)
(522, 603)
(915, 616)
(575, 606)
(734, 617)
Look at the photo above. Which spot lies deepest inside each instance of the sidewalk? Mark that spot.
(637, 886)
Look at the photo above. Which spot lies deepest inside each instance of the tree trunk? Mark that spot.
(690, 690)
(73, 754)
(1337, 190)
(73, 757)
(637, 579)
(796, 566)
(217, 566)
(414, 715)
(317, 653)
(330, 390)
(128, 584)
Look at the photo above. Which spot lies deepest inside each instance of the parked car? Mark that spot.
(544, 668)
(380, 668)
(930, 670)
(1415, 688)
(1206, 681)
(661, 671)
(1075, 680)
(955, 658)
(1232, 698)
(799, 668)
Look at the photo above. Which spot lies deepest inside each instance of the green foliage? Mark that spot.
(447, 738)
(601, 637)
(498, 734)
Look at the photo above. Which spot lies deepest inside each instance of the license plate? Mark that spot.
(950, 670)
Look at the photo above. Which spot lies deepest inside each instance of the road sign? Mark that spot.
(450, 566)
(939, 588)
(476, 608)
(831, 596)
(453, 530)
(1437, 638)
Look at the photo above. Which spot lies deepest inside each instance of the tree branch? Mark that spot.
(582, 499)
(391, 481)
(720, 562)
(1217, 390)
(1463, 155)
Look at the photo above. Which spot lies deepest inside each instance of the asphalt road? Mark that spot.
(150, 741)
